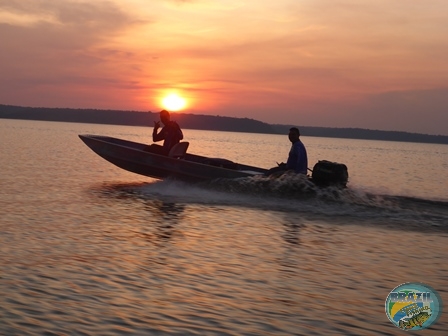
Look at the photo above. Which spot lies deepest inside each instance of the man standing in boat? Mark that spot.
(170, 133)
(297, 158)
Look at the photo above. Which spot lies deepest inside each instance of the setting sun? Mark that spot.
(174, 102)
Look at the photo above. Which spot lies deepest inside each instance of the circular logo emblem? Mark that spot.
(413, 306)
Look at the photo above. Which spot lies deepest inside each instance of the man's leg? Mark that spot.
(156, 149)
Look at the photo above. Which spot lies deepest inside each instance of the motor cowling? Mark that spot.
(327, 173)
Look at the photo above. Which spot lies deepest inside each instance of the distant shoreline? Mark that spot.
(206, 122)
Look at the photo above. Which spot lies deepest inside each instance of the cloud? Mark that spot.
(98, 15)
(63, 24)
(62, 43)
(421, 111)
(314, 62)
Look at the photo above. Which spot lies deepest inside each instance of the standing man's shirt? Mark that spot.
(171, 134)
(298, 159)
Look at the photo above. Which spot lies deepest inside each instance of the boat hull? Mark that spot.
(131, 156)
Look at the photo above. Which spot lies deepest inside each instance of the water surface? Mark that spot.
(87, 248)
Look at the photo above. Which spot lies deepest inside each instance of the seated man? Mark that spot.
(170, 133)
(297, 159)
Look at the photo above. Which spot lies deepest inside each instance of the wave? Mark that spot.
(296, 193)
(301, 187)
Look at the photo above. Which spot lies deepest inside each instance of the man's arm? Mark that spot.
(302, 160)
(160, 136)
(296, 158)
(178, 130)
(299, 158)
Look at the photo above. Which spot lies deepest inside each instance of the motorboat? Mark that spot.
(135, 157)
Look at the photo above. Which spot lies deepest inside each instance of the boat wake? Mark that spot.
(296, 193)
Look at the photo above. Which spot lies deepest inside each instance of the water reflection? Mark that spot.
(289, 259)
(118, 191)
(292, 227)
(168, 214)
(159, 218)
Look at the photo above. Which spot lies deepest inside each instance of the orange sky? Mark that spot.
(372, 64)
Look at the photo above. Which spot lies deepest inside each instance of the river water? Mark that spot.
(89, 249)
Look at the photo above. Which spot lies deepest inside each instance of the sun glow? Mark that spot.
(174, 102)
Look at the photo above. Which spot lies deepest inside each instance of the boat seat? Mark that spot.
(179, 150)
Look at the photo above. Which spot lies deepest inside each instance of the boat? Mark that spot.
(133, 157)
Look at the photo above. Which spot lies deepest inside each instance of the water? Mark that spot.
(89, 249)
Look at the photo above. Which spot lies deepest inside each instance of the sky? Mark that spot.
(372, 64)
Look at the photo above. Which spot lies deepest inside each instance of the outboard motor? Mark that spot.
(326, 173)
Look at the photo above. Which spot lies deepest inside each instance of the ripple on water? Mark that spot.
(86, 248)
(273, 273)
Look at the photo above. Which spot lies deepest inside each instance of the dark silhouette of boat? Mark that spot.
(133, 157)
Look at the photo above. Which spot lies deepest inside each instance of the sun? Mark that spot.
(174, 102)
